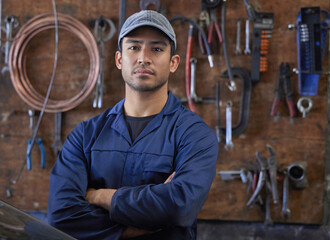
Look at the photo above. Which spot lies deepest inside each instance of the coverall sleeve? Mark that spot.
(68, 209)
(176, 203)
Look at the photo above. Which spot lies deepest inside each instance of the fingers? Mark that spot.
(169, 178)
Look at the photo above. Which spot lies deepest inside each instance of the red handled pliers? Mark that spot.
(214, 25)
(284, 83)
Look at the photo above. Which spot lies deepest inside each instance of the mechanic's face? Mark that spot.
(146, 60)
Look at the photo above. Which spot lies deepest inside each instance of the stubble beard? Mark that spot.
(145, 88)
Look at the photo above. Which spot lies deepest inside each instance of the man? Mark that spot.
(143, 168)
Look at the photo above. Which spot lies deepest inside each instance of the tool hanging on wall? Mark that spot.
(101, 24)
(188, 68)
(208, 22)
(247, 49)
(11, 24)
(263, 23)
(263, 177)
(284, 84)
(208, 18)
(229, 142)
(304, 105)
(214, 27)
(243, 118)
(238, 50)
(231, 85)
(191, 66)
(188, 79)
(311, 38)
(44, 104)
(39, 141)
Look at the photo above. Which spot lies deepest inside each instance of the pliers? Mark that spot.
(31, 143)
(208, 18)
(272, 170)
(29, 150)
(283, 83)
(214, 25)
(262, 162)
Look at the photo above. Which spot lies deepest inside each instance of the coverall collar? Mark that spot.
(119, 125)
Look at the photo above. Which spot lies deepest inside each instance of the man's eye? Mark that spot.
(133, 48)
(157, 49)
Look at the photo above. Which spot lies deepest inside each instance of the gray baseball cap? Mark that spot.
(147, 18)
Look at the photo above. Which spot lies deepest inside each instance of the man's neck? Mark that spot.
(142, 104)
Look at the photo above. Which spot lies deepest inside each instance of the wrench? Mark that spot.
(229, 143)
(238, 37)
(99, 30)
(286, 212)
(145, 3)
(57, 144)
(12, 23)
(193, 95)
(247, 49)
(272, 165)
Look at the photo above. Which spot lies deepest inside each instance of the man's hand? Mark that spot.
(100, 197)
(136, 232)
(169, 178)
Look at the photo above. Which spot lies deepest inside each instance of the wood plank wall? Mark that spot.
(304, 140)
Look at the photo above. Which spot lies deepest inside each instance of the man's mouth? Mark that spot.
(144, 71)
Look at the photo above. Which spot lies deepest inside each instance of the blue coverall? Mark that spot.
(99, 153)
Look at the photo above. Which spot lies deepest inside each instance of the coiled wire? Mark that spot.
(18, 73)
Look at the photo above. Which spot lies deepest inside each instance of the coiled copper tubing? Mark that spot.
(17, 59)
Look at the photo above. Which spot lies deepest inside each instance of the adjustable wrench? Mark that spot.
(247, 49)
(229, 143)
(286, 212)
(57, 144)
(238, 37)
(11, 23)
(99, 30)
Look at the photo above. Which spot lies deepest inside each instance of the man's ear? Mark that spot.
(118, 59)
(174, 64)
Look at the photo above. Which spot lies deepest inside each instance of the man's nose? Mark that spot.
(144, 56)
